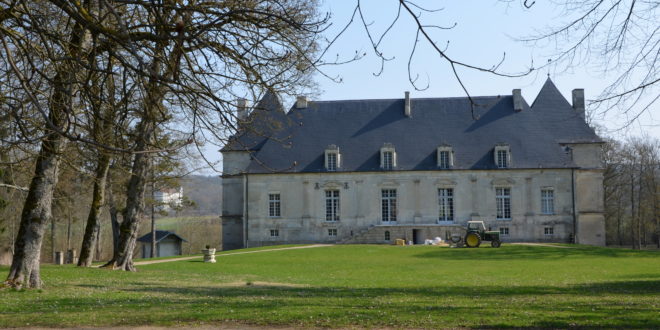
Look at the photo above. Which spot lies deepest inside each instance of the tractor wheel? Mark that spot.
(472, 240)
(495, 243)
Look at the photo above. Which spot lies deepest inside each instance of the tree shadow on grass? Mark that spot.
(531, 253)
(615, 287)
(588, 305)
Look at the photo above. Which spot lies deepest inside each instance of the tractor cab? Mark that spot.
(476, 226)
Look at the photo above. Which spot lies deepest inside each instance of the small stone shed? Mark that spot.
(167, 244)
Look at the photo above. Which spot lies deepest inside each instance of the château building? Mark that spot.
(372, 171)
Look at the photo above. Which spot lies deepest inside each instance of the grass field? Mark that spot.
(366, 286)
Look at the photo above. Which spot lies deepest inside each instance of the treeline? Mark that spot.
(632, 192)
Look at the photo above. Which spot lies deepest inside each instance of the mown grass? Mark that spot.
(367, 286)
(172, 223)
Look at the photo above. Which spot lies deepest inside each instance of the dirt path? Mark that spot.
(541, 244)
(149, 262)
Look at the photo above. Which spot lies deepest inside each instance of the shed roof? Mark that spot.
(160, 235)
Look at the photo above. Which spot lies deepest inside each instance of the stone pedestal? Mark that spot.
(209, 255)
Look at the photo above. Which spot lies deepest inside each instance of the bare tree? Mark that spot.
(61, 51)
(621, 37)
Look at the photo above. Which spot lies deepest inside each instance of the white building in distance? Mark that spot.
(168, 198)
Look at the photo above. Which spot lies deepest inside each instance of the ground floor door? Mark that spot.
(417, 236)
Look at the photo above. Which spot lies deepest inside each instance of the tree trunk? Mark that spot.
(24, 271)
(632, 203)
(93, 219)
(114, 221)
(153, 216)
(133, 213)
(639, 211)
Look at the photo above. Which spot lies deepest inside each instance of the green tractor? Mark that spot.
(476, 232)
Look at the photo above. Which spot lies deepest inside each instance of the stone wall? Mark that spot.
(303, 203)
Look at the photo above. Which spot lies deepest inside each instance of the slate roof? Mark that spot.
(296, 141)
(160, 235)
(264, 120)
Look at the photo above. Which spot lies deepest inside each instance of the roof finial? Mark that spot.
(549, 60)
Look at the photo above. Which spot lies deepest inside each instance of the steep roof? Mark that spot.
(360, 128)
(265, 119)
(160, 235)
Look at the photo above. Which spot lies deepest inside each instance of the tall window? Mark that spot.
(332, 161)
(502, 158)
(332, 205)
(388, 160)
(445, 156)
(443, 159)
(503, 201)
(332, 158)
(547, 201)
(387, 235)
(388, 203)
(446, 203)
(274, 205)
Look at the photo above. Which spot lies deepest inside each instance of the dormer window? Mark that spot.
(502, 156)
(445, 157)
(332, 158)
(387, 157)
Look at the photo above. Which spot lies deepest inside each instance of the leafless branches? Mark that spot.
(622, 39)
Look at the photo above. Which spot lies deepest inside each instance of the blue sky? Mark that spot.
(483, 32)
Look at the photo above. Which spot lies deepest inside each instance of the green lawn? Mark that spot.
(173, 223)
(349, 285)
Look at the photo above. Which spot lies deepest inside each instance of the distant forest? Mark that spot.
(205, 192)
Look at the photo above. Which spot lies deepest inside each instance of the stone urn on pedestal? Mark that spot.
(209, 254)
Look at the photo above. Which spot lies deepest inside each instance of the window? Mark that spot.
(388, 203)
(274, 233)
(445, 157)
(502, 156)
(332, 205)
(446, 204)
(387, 235)
(547, 201)
(332, 158)
(332, 161)
(503, 201)
(332, 232)
(504, 231)
(502, 161)
(387, 157)
(274, 205)
(549, 231)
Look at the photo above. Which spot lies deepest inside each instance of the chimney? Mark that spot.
(578, 101)
(301, 102)
(408, 110)
(517, 100)
(242, 109)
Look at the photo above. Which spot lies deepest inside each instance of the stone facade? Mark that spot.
(303, 210)
(372, 171)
